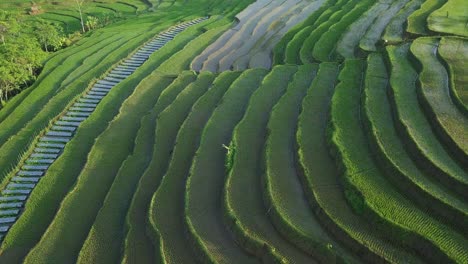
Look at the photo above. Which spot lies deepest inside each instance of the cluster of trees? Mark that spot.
(24, 44)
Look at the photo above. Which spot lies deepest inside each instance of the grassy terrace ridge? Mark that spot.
(327, 19)
(320, 181)
(341, 140)
(369, 41)
(52, 63)
(392, 157)
(454, 53)
(89, 189)
(105, 238)
(282, 191)
(294, 45)
(166, 212)
(434, 93)
(168, 123)
(37, 113)
(349, 41)
(65, 13)
(451, 18)
(68, 23)
(325, 48)
(395, 30)
(13, 148)
(181, 60)
(323, 13)
(134, 249)
(203, 193)
(99, 239)
(415, 129)
(45, 102)
(91, 62)
(264, 23)
(279, 52)
(368, 190)
(417, 21)
(245, 213)
(44, 203)
(138, 243)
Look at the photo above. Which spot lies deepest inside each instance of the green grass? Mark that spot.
(182, 59)
(243, 202)
(454, 52)
(67, 13)
(450, 18)
(280, 166)
(434, 93)
(293, 47)
(52, 63)
(120, 7)
(50, 82)
(396, 29)
(35, 114)
(418, 21)
(415, 128)
(91, 62)
(320, 177)
(279, 52)
(46, 103)
(26, 233)
(89, 189)
(137, 244)
(166, 212)
(325, 48)
(69, 24)
(369, 41)
(106, 235)
(203, 215)
(282, 191)
(44, 202)
(331, 15)
(111, 220)
(368, 190)
(349, 41)
(393, 158)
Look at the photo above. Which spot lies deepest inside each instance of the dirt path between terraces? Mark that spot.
(249, 44)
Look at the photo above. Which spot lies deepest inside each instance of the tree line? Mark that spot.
(26, 41)
(24, 44)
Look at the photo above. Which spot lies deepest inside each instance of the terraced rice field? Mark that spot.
(66, 13)
(207, 131)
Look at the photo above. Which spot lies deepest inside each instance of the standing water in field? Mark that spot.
(250, 42)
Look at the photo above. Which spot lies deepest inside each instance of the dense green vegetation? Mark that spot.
(167, 218)
(450, 18)
(454, 52)
(350, 148)
(245, 212)
(417, 21)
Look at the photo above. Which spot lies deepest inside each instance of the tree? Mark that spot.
(3, 31)
(9, 25)
(92, 22)
(79, 4)
(20, 55)
(48, 35)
